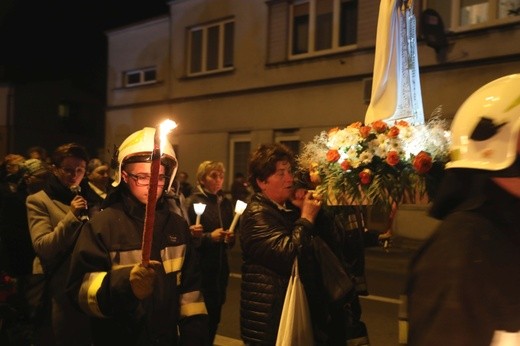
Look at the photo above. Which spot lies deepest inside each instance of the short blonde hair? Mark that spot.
(208, 166)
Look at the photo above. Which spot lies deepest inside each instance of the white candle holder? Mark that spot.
(239, 209)
(199, 209)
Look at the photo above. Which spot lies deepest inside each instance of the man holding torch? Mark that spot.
(134, 269)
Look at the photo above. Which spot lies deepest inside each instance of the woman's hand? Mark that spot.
(311, 206)
(218, 235)
(78, 204)
(196, 230)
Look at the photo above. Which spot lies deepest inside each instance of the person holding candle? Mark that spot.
(132, 299)
(215, 239)
(271, 236)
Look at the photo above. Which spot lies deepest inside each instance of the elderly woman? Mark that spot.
(271, 236)
(214, 239)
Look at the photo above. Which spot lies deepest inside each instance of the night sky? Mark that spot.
(48, 39)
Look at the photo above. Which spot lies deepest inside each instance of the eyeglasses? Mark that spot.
(144, 179)
(73, 170)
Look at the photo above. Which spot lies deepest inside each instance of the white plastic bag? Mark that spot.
(295, 324)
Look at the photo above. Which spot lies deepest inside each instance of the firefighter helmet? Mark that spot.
(138, 147)
(486, 127)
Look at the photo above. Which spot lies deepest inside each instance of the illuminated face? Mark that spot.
(137, 176)
(71, 171)
(278, 186)
(99, 177)
(213, 181)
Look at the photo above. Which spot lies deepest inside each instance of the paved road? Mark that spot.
(386, 273)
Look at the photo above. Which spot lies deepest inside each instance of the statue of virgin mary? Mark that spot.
(396, 87)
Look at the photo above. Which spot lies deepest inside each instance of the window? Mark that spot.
(140, 77)
(210, 48)
(290, 138)
(322, 26)
(240, 148)
(468, 14)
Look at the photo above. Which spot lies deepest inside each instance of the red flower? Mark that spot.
(422, 162)
(365, 176)
(379, 126)
(364, 131)
(392, 158)
(333, 155)
(345, 165)
(393, 132)
(402, 123)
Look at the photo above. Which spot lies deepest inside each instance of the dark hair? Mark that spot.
(262, 163)
(41, 151)
(69, 150)
(95, 163)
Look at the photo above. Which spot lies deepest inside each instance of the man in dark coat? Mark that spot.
(464, 282)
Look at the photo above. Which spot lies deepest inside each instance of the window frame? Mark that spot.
(311, 33)
(141, 73)
(453, 22)
(221, 48)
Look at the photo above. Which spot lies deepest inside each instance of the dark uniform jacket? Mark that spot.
(108, 247)
(464, 283)
(270, 237)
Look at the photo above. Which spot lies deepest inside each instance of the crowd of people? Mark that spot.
(121, 255)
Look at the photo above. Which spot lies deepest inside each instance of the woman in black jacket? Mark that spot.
(213, 245)
(271, 235)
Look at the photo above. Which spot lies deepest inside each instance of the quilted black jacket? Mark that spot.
(270, 237)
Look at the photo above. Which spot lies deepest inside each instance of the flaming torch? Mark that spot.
(160, 138)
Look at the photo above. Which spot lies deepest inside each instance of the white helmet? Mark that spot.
(486, 127)
(138, 147)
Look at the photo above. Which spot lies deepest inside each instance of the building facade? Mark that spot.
(234, 74)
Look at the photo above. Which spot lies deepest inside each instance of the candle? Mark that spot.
(199, 209)
(239, 209)
(149, 218)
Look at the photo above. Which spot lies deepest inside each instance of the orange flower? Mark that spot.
(393, 132)
(365, 176)
(402, 123)
(422, 162)
(364, 131)
(345, 165)
(355, 125)
(392, 158)
(332, 131)
(333, 155)
(379, 126)
(315, 177)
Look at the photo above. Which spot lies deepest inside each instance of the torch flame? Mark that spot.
(164, 128)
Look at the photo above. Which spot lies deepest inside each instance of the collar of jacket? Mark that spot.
(211, 196)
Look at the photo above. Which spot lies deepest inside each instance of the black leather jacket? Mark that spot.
(270, 237)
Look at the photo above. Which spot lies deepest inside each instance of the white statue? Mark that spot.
(396, 87)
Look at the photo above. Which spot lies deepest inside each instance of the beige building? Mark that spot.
(237, 73)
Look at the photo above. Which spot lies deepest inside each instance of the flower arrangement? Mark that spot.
(378, 163)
